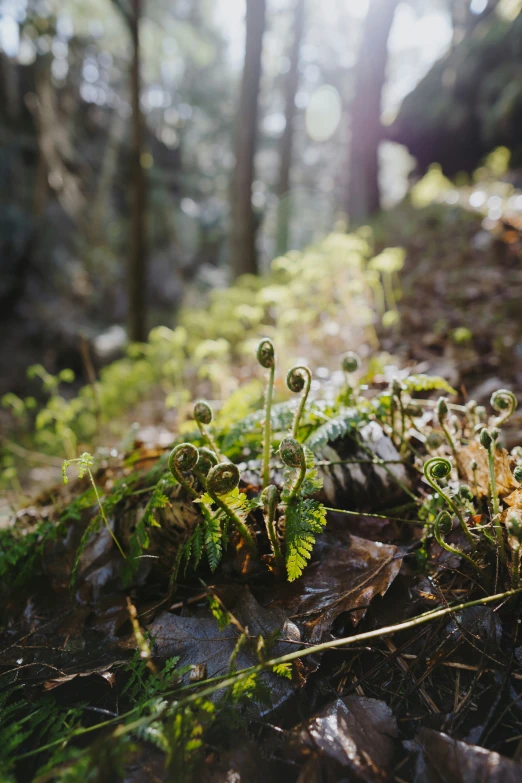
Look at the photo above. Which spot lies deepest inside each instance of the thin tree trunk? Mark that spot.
(243, 251)
(137, 273)
(363, 197)
(287, 141)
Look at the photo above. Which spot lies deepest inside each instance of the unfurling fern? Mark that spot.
(304, 517)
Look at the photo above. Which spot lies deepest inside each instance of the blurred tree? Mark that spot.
(137, 269)
(363, 196)
(469, 102)
(244, 223)
(287, 140)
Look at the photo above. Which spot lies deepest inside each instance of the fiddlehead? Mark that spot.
(293, 456)
(270, 499)
(350, 362)
(203, 417)
(505, 403)
(434, 440)
(223, 478)
(488, 439)
(220, 481)
(442, 415)
(266, 358)
(182, 459)
(442, 528)
(207, 460)
(299, 379)
(438, 468)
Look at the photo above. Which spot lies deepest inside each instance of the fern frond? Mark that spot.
(249, 429)
(311, 484)
(335, 429)
(304, 520)
(423, 383)
(213, 542)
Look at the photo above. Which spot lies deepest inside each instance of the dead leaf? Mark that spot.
(101, 671)
(354, 733)
(505, 481)
(198, 640)
(346, 575)
(445, 760)
(515, 499)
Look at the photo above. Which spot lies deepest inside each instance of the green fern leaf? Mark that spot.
(335, 429)
(423, 383)
(304, 520)
(213, 542)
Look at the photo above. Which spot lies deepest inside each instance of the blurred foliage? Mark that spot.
(304, 299)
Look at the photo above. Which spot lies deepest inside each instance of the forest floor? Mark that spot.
(112, 669)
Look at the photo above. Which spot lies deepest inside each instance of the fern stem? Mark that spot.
(270, 508)
(103, 516)
(495, 504)
(267, 439)
(238, 522)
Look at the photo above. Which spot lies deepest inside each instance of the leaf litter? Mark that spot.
(408, 708)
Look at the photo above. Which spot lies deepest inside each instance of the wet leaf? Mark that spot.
(352, 480)
(347, 574)
(445, 760)
(198, 640)
(355, 734)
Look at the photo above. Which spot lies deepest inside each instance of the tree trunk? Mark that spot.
(287, 141)
(243, 251)
(363, 197)
(137, 272)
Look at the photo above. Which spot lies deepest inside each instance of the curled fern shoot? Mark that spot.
(270, 498)
(505, 403)
(441, 529)
(221, 481)
(299, 379)
(442, 415)
(266, 358)
(182, 459)
(438, 468)
(84, 464)
(207, 460)
(488, 439)
(350, 362)
(203, 417)
(293, 456)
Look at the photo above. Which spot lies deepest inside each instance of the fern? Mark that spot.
(139, 540)
(215, 529)
(304, 520)
(213, 545)
(424, 383)
(247, 431)
(335, 429)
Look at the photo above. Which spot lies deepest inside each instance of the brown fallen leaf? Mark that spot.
(347, 574)
(515, 499)
(474, 451)
(101, 671)
(198, 640)
(445, 760)
(355, 734)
